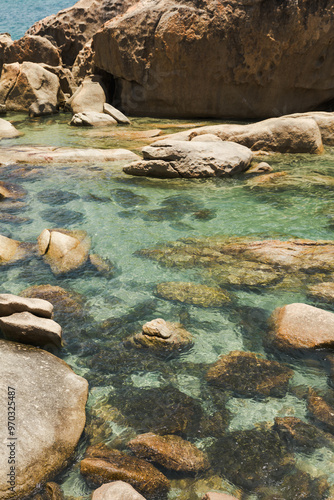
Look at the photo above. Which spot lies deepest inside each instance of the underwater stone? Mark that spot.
(102, 465)
(321, 410)
(11, 191)
(300, 326)
(302, 434)
(193, 293)
(162, 336)
(249, 375)
(323, 291)
(63, 301)
(171, 452)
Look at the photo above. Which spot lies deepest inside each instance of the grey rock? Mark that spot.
(90, 96)
(10, 304)
(39, 108)
(168, 158)
(27, 328)
(50, 404)
(116, 114)
(92, 119)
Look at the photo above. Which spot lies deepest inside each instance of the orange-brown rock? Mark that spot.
(103, 465)
(322, 411)
(63, 301)
(212, 495)
(300, 326)
(13, 250)
(170, 451)
(71, 28)
(32, 48)
(323, 291)
(249, 375)
(257, 59)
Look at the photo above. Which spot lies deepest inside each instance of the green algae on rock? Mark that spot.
(247, 374)
(193, 293)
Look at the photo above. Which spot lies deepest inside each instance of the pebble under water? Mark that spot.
(134, 391)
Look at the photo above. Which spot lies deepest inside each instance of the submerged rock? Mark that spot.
(10, 304)
(249, 375)
(162, 336)
(302, 434)
(11, 191)
(64, 250)
(252, 458)
(117, 490)
(102, 465)
(63, 301)
(300, 326)
(323, 291)
(13, 250)
(171, 452)
(168, 158)
(30, 329)
(193, 293)
(320, 410)
(50, 401)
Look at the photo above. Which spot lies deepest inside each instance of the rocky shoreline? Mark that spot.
(98, 60)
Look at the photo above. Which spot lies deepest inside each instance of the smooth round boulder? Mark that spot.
(117, 490)
(7, 130)
(300, 326)
(47, 401)
(169, 451)
(90, 96)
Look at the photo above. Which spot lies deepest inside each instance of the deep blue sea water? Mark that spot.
(16, 16)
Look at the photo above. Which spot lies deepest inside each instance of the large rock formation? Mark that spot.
(47, 402)
(71, 28)
(257, 59)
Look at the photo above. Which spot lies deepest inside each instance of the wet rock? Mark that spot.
(10, 304)
(11, 191)
(89, 97)
(267, 179)
(61, 217)
(103, 465)
(13, 250)
(251, 458)
(171, 452)
(320, 410)
(64, 250)
(116, 114)
(31, 48)
(282, 134)
(51, 401)
(193, 293)
(41, 155)
(92, 119)
(27, 328)
(53, 491)
(191, 159)
(259, 168)
(33, 83)
(117, 490)
(250, 273)
(302, 434)
(7, 130)
(249, 375)
(63, 301)
(211, 495)
(297, 485)
(162, 411)
(162, 336)
(56, 196)
(103, 266)
(300, 326)
(127, 198)
(323, 291)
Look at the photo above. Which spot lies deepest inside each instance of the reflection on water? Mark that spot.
(134, 391)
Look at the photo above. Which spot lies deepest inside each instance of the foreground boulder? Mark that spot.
(300, 326)
(64, 250)
(103, 465)
(117, 490)
(50, 401)
(7, 130)
(249, 68)
(286, 134)
(10, 304)
(162, 336)
(90, 96)
(171, 452)
(34, 49)
(30, 329)
(247, 374)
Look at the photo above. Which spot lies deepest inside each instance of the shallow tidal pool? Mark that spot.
(123, 215)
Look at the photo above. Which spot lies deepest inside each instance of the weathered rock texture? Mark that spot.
(71, 28)
(257, 59)
(172, 452)
(50, 415)
(34, 49)
(168, 158)
(117, 490)
(300, 326)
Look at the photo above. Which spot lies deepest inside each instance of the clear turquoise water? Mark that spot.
(19, 15)
(124, 214)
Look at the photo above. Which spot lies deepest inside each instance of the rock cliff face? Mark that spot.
(71, 28)
(241, 59)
